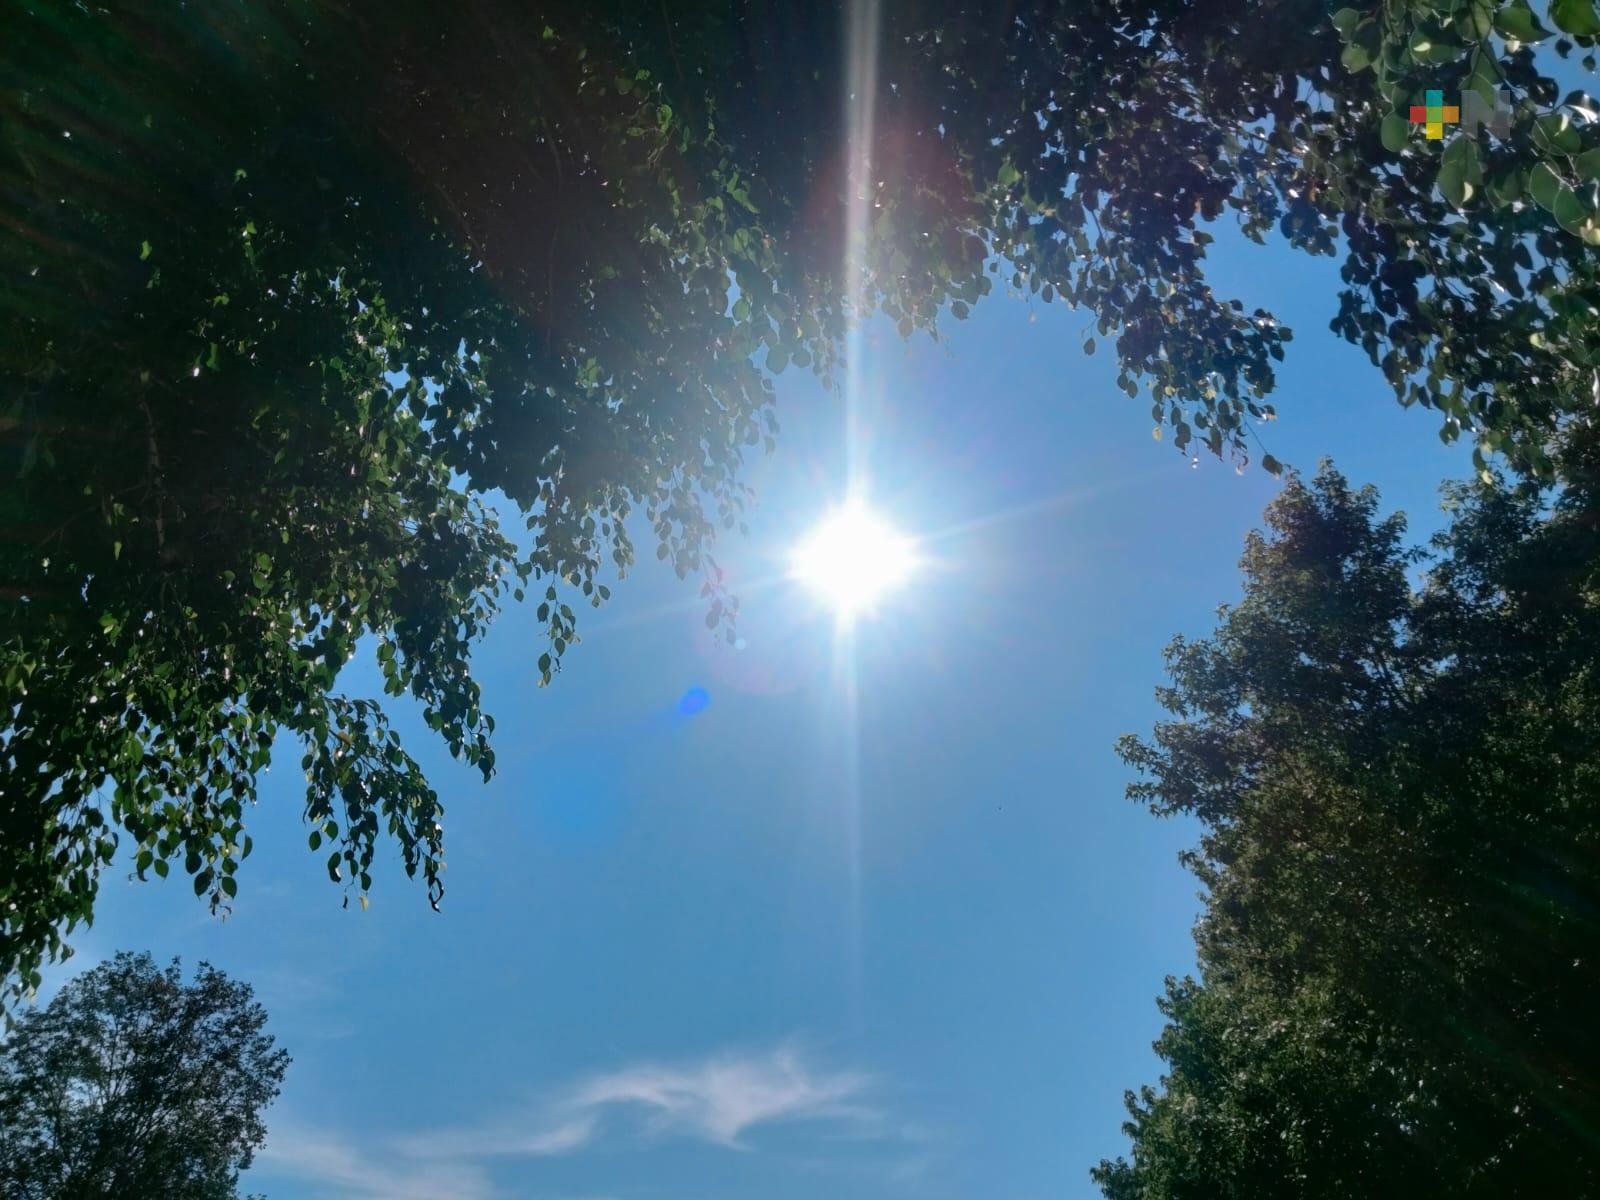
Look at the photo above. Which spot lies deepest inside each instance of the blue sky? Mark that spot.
(789, 945)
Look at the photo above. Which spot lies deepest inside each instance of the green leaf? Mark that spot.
(1395, 133)
(1588, 164)
(1555, 133)
(1355, 58)
(1504, 189)
(1568, 210)
(1429, 49)
(1517, 21)
(144, 251)
(1345, 20)
(1543, 185)
(1460, 173)
(1576, 17)
(1008, 174)
(1485, 80)
(1475, 22)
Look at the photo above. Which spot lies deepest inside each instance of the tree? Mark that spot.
(290, 291)
(1401, 822)
(132, 1083)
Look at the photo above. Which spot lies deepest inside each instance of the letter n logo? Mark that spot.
(1477, 113)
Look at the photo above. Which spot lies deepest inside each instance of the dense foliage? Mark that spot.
(133, 1084)
(1401, 804)
(289, 289)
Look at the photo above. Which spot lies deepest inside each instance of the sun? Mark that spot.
(852, 559)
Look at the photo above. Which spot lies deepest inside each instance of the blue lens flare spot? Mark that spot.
(694, 701)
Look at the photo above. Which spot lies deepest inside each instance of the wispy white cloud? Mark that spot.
(539, 1134)
(720, 1100)
(335, 1168)
(717, 1100)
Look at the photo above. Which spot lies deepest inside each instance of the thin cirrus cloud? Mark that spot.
(336, 1168)
(718, 1100)
(722, 1100)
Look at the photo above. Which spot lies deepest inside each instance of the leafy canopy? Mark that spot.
(1401, 856)
(289, 293)
(133, 1083)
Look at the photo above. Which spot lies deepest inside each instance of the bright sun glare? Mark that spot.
(852, 559)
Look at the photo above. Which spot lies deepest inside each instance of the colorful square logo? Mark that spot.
(1434, 114)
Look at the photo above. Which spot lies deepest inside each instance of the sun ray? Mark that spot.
(861, 102)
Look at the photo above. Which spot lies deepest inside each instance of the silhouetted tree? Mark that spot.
(133, 1084)
(1398, 786)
